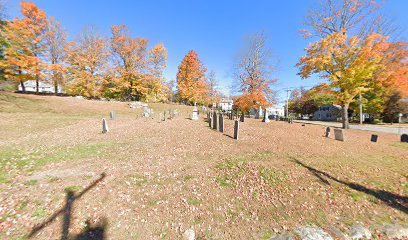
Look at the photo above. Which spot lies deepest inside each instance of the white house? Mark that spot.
(276, 111)
(226, 104)
(44, 87)
(328, 112)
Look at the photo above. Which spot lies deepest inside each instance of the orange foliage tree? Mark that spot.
(253, 71)
(157, 62)
(349, 64)
(25, 38)
(88, 58)
(191, 81)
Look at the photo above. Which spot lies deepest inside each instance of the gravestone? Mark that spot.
(221, 123)
(112, 115)
(195, 114)
(170, 116)
(404, 138)
(236, 129)
(258, 113)
(145, 111)
(374, 138)
(266, 117)
(105, 127)
(210, 121)
(215, 121)
(327, 134)
(164, 116)
(339, 134)
(242, 118)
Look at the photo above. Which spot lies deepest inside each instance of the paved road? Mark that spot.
(365, 127)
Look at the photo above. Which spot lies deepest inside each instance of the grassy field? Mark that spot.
(148, 179)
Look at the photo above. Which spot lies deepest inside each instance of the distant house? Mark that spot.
(44, 87)
(328, 112)
(226, 104)
(404, 117)
(276, 111)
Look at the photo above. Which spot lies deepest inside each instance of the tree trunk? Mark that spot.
(23, 87)
(344, 116)
(55, 87)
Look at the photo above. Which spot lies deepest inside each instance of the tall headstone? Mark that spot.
(164, 116)
(112, 115)
(210, 121)
(404, 138)
(215, 121)
(339, 134)
(195, 114)
(221, 123)
(105, 127)
(236, 130)
(327, 132)
(266, 117)
(242, 118)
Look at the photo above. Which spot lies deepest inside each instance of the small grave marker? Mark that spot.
(404, 138)
(195, 114)
(339, 134)
(327, 134)
(164, 116)
(236, 129)
(374, 138)
(112, 115)
(242, 118)
(105, 127)
(210, 121)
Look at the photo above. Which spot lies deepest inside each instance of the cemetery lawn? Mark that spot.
(162, 178)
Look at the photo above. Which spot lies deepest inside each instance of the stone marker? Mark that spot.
(105, 127)
(327, 134)
(215, 121)
(112, 115)
(266, 117)
(210, 121)
(242, 118)
(195, 114)
(221, 123)
(404, 138)
(374, 138)
(339, 134)
(145, 111)
(164, 116)
(236, 129)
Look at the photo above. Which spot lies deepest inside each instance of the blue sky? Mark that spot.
(212, 28)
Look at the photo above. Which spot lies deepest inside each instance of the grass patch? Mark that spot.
(193, 201)
(138, 180)
(31, 182)
(223, 181)
(356, 196)
(272, 177)
(73, 188)
(188, 178)
(39, 213)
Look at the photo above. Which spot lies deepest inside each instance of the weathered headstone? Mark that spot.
(236, 129)
(210, 121)
(164, 116)
(404, 138)
(242, 118)
(145, 111)
(339, 134)
(221, 123)
(112, 115)
(374, 137)
(105, 127)
(266, 117)
(215, 121)
(195, 114)
(327, 134)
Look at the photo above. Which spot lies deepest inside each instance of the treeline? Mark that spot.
(35, 47)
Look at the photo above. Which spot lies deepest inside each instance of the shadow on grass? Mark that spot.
(96, 231)
(391, 199)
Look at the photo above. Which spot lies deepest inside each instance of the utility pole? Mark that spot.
(361, 108)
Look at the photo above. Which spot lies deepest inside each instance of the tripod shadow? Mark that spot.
(391, 199)
(96, 232)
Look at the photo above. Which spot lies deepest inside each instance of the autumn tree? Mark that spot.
(214, 95)
(129, 62)
(88, 57)
(253, 71)
(156, 83)
(191, 81)
(347, 63)
(2, 40)
(393, 106)
(25, 49)
(56, 42)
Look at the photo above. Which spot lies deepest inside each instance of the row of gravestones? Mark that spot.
(339, 135)
(216, 122)
(146, 113)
